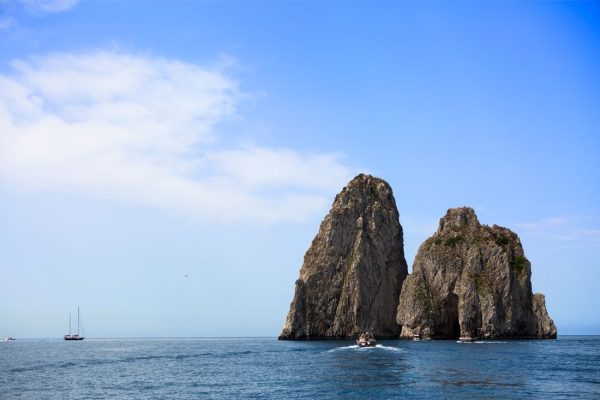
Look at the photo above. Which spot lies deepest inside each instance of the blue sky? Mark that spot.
(141, 142)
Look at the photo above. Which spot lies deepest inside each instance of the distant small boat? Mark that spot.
(416, 337)
(74, 337)
(366, 340)
(8, 338)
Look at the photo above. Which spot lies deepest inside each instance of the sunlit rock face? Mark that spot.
(352, 274)
(472, 281)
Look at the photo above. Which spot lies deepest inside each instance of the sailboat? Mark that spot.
(74, 337)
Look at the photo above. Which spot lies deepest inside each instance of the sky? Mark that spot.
(165, 165)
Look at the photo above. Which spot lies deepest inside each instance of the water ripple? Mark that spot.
(267, 368)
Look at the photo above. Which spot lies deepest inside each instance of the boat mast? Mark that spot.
(69, 324)
(78, 321)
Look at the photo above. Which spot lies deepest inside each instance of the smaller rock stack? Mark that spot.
(472, 281)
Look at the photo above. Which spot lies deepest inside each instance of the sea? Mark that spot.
(265, 368)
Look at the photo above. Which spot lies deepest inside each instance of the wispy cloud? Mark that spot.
(7, 22)
(143, 129)
(48, 6)
(584, 231)
(38, 8)
(418, 226)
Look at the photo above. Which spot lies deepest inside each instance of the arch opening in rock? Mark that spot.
(453, 329)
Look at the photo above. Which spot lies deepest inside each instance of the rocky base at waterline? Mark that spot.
(353, 271)
(472, 281)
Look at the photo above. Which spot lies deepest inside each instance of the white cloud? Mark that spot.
(48, 6)
(33, 7)
(252, 167)
(142, 129)
(565, 229)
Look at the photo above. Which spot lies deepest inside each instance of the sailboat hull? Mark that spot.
(73, 337)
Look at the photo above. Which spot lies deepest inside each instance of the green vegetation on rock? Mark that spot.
(483, 286)
(426, 298)
(518, 264)
(502, 240)
(453, 241)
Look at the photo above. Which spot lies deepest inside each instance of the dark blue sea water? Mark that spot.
(266, 368)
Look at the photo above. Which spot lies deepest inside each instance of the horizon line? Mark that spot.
(223, 337)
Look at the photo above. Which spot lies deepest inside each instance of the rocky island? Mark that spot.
(353, 271)
(472, 281)
(469, 281)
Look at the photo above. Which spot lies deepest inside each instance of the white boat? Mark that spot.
(74, 337)
(8, 338)
(366, 340)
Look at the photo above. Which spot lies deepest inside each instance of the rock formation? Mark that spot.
(544, 326)
(353, 271)
(472, 281)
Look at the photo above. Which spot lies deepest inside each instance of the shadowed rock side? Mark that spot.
(353, 271)
(472, 281)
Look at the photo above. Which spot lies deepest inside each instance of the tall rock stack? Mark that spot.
(352, 274)
(472, 281)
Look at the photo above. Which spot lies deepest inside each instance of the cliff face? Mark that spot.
(353, 271)
(472, 281)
